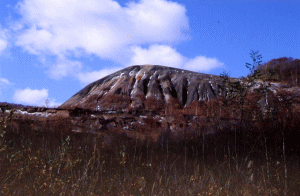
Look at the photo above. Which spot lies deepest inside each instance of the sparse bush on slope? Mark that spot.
(283, 69)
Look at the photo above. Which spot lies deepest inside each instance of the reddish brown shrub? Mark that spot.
(282, 69)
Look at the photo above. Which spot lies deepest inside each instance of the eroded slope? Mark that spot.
(131, 86)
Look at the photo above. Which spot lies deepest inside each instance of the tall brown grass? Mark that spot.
(239, 161)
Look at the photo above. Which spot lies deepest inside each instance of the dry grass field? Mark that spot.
(61, 162)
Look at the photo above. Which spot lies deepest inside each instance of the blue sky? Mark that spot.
(52, 49)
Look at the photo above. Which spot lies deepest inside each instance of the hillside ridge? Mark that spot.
(137, 83)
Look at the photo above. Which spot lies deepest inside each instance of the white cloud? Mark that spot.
(97, 27)
(34, 97)
(202, 63)
(52, 103)
(157, 21)
(157, 55)
(31, 97)
(70, 29)
(4, 81)
(89, 77)
(165, 55)
(64, 67)
(3, 44)
(3, 41)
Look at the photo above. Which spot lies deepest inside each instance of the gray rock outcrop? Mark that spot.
(143, 82)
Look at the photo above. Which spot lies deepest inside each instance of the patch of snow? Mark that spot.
(140, 73)
(134, 89)
(144, 76)
(42, 114)
(117, 82)
(7, 111)
(115, 78)
(157, 117)
(154, 74)
(150, 78)
(132, 72)
(160, 76)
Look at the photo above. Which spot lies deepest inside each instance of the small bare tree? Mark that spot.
(47, 102)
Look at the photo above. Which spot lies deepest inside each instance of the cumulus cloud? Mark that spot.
(34, 97)
(165, 55)
(31, 97)
(89, 77)
(100, 27)
(52, 103)
(68, 30)
(202, 63)
(157, 21)
(157, 55)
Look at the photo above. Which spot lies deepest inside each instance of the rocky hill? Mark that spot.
(132, 86)
(158, 103)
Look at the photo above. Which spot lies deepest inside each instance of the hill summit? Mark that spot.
(136, 85)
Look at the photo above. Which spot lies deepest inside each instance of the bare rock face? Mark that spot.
(132, 86)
